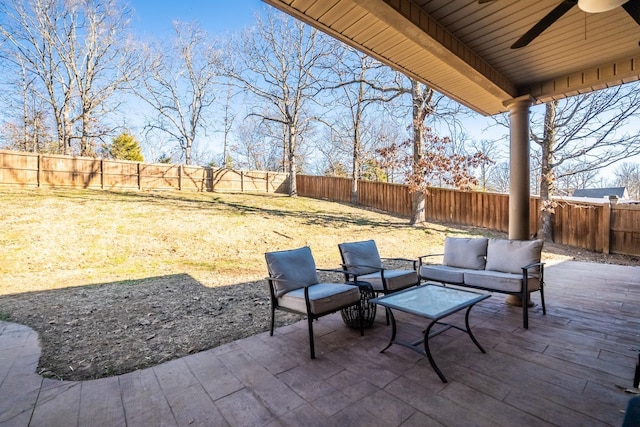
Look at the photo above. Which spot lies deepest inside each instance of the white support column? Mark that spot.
(519, 168)
(519, 190)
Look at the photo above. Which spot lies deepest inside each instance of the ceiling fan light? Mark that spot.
(597, 6)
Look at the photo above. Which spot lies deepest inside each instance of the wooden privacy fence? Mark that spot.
(40, 170)
(598, 227)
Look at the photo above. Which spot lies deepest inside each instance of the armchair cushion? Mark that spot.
(396, 279)
(295, 268)
(509, 256)
(323, 298)
(465, 253)
(361, 257)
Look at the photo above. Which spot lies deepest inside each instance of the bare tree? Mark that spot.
(73, 53)
(587, 132)
(429, 104)
(277, 62)
(361, 85)
(493, 154)
(499, 177)
(628, 175)
(179, 83)
(251, 150)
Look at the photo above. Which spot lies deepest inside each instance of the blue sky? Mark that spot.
(216, 17)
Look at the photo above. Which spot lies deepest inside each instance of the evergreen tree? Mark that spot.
(126, 147)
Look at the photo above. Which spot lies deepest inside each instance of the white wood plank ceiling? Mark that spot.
(462, 47)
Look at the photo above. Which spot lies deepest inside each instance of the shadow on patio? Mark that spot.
(569, 368)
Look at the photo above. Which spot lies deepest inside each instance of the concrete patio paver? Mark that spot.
(569, 368)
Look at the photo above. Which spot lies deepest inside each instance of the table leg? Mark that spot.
(389, 314)
(428, 352)
(473, 338)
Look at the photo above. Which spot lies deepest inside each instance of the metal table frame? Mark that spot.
(426, 294)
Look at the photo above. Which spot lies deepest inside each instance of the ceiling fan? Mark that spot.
(632, 7)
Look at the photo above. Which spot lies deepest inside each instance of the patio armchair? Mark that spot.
(362, 262)
(294, 286)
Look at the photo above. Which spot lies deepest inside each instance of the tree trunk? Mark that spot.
(419, 114)
(547, 178)
(355, 175)
(291, 161)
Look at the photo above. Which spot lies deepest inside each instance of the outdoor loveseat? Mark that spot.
(496, 265)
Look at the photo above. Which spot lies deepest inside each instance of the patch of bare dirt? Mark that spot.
(103, 330)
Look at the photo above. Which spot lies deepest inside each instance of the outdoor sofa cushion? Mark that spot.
(509, 256)
(465, 252)
(499, 281)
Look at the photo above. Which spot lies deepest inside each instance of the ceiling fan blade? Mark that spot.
(633, 9)
(544, 23)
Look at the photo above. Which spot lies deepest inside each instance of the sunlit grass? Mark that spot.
(59, 238)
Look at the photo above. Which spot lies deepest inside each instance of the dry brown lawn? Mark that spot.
(116, 281)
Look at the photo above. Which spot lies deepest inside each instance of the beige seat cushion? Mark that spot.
(442, 273)
(499, 281)
(396, 279)
(323, 298)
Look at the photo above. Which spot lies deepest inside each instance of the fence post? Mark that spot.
(139, 177)
(179, 177)
(267, 180)
(39, 169)
(102, 174)
(242, 181)
(606, 228)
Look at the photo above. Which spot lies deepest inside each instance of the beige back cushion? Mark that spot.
(296, 269)
(361, 257)
(509, 256)
(465, 252)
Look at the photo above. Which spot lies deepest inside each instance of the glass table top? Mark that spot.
(431, 301)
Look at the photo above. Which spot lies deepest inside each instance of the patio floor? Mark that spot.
(568, 369)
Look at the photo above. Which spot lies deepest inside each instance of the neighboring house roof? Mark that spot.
(621, 192)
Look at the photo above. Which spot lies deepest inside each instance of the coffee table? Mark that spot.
(434, 302)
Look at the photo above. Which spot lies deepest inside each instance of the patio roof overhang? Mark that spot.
(462, 48)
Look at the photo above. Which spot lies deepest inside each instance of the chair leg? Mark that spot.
(544, 308)
(525, 308)
(273, 318)
(311, 343)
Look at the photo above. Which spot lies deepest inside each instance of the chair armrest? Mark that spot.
(332, 270)
(540, 265)
(353, 276)
(414, 262)
(421, 258)
(532, 265)
(375, 267)
(276, 279)
(298, 285)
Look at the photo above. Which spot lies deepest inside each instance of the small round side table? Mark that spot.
(350, 315)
